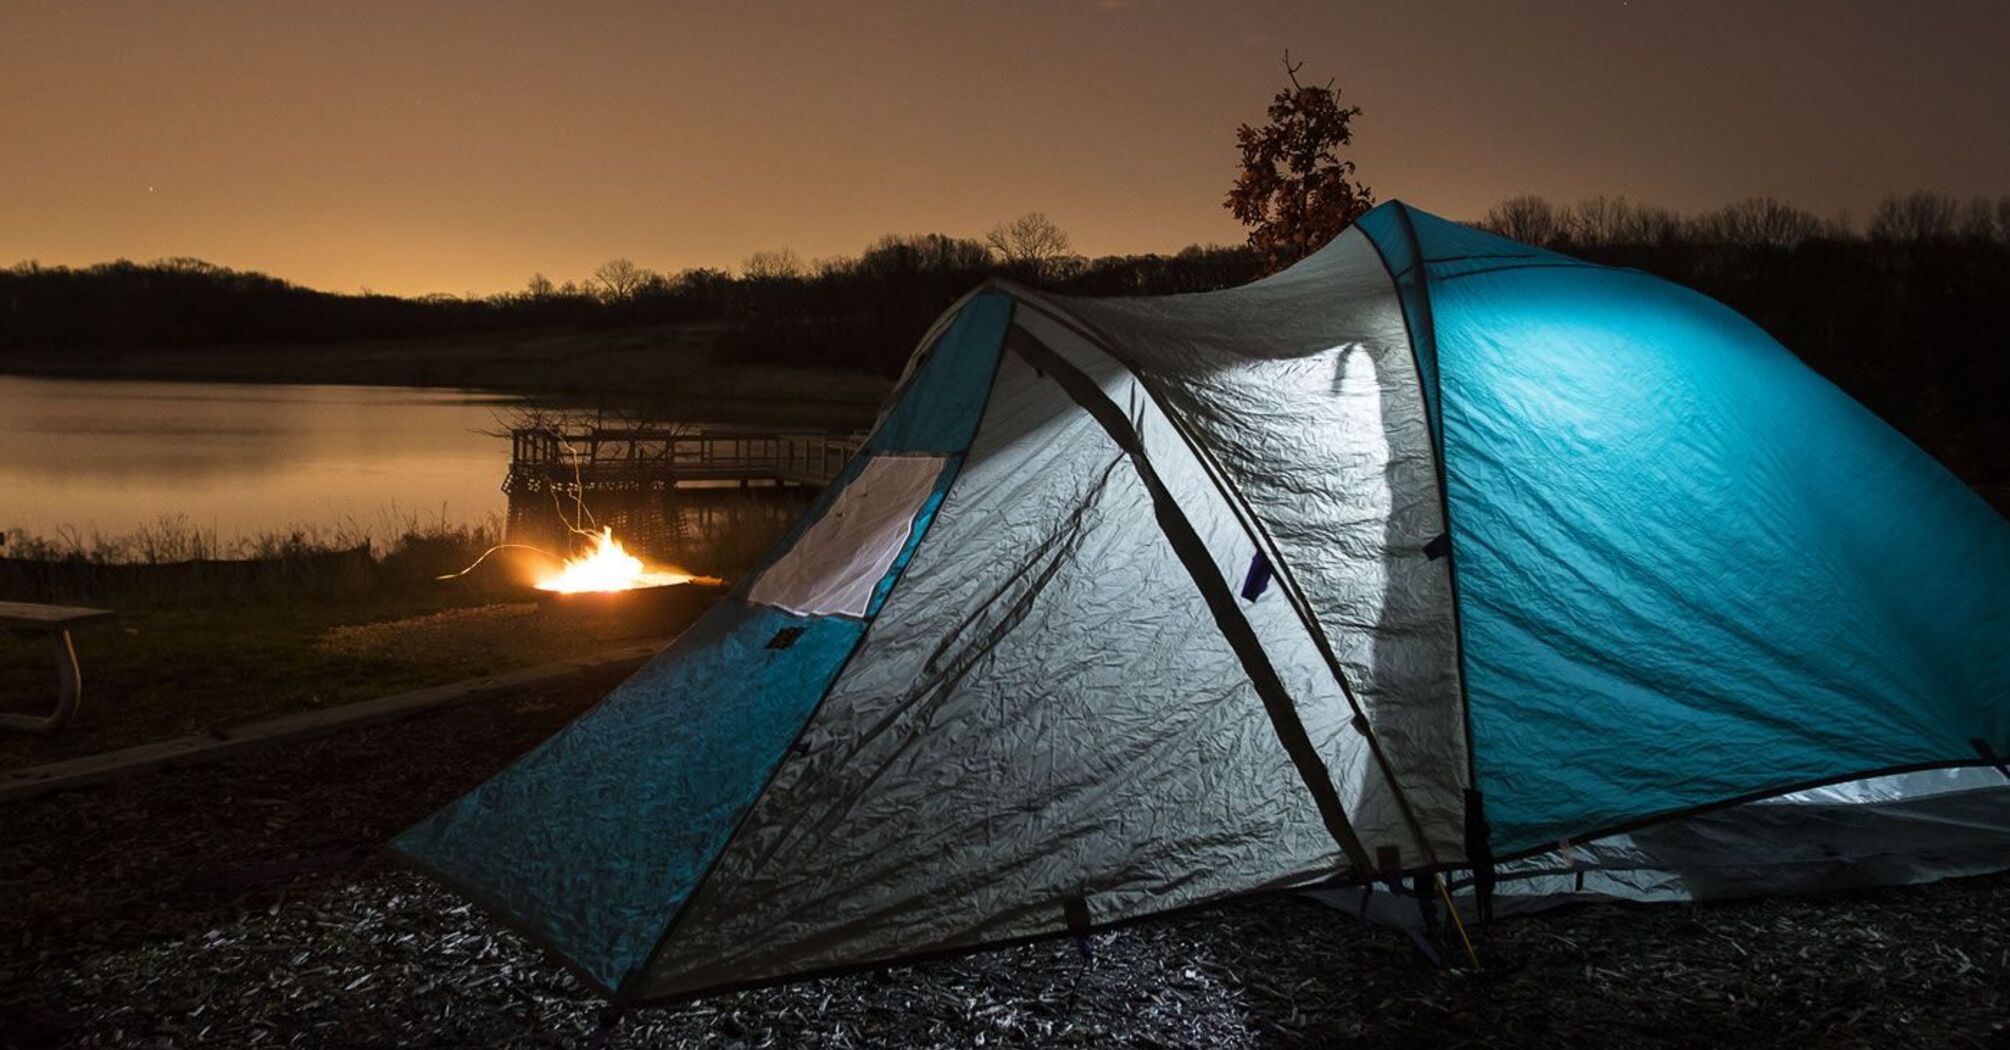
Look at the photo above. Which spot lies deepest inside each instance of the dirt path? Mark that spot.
(240, 905)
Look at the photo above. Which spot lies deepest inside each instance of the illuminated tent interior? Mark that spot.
(1434, 554)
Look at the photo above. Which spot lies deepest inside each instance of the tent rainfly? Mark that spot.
(1435, 553)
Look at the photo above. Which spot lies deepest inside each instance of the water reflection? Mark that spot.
(240, 460)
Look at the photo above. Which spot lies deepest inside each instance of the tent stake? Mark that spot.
(1457, 923)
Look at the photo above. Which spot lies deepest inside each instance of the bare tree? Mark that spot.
(1916, 218)
(1597, 220)
(1978, 221)
(540, 287)
(1032, 243)
(1650, 224)
(617, 280)
(901, 254)
(1761, 222)
(1528, 218)
(782, 264)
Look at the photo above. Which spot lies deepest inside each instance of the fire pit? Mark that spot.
(610, 588)
(648, 608)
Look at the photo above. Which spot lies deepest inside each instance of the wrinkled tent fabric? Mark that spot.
(1689, 569)
(1136, 604)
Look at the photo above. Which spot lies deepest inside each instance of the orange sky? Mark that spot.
(461, 146)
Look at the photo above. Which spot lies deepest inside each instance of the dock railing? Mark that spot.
(632, 459)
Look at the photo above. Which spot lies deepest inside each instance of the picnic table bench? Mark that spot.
(30, 620)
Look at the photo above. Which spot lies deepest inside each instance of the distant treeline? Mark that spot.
(859, 312)
(1909, 313)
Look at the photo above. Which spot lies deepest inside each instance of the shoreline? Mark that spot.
(835, 414)
(663, 370)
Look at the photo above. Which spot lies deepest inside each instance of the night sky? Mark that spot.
(460, 147)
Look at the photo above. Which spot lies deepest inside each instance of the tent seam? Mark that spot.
(954, 465)
(1434, 405)
(1253, 527)
(1277, 701)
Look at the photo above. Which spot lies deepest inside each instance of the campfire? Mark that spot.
(610, 589)
(607, 566)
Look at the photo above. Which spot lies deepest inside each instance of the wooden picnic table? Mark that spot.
(31, 620)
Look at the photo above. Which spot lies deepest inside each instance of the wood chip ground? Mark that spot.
(241, 905)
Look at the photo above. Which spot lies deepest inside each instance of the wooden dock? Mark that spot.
(634, 461)
(664, 490)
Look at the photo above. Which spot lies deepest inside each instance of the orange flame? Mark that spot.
(607, 566)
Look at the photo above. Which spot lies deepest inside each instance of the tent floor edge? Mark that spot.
(1990, 755)
(1539, 848)
(1062, 930)
(503, 915)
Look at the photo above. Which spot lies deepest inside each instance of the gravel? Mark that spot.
(243, 904)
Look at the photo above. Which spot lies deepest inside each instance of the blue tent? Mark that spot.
(1435, 553)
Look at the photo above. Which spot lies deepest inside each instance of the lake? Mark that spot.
(239, 459)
